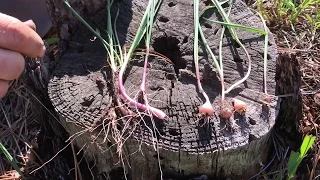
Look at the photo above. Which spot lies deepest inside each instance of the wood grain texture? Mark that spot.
(187, 145)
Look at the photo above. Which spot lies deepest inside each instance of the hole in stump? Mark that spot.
(185, 40)
(207, 2)
(163, 19)
(237, 59)
(156, 156)
(87, 101)
(216, 31)
(235, 44)
(169, 46)
(268, 56)
(171, 4)
(173, 132)
(252, 121)
(252, 137)
(170, 76)
(207, 25)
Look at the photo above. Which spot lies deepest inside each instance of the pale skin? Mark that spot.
(17, 39)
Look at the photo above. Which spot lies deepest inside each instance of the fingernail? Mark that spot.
(31, 24)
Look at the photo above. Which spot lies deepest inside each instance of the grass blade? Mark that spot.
(296, 158)
(10, 159)
(294, 161)
(306, 145)
(254, 30)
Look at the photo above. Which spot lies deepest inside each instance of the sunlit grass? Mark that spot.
(288, 12)
(296, 158)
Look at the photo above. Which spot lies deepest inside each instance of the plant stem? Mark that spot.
(265, 54)
(104, 42)
(234, 35)
(151, 15)
(145, 27)
(220, 57)
(157, 112)
(215, 62)
(206, 107)
(110, 36)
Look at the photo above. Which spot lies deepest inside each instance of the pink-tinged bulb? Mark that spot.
(239, 106)
(157, 112)
(226, 113)
(206, 108)
(266, 99)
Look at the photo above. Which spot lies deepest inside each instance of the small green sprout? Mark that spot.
(296, 157)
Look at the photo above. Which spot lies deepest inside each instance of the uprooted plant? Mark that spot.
(238, 106)
(145, 27)
(118, 59)
(206, 108)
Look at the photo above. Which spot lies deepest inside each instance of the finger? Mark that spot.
(18, 36)
(31, 24)
(11, 64)
(4, 86)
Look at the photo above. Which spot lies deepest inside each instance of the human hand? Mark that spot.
(16, 39)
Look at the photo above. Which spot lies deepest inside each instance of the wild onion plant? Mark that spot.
(206, 108)
(225, 111)
(117, 58)
(266, 99)
(145, 27)
(238, 105)
(114, 54)
(235, 37)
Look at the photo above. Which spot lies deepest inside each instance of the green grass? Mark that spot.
(314, 20)
(53, 40)
(296, 157)
(11, 160)
(289, 11)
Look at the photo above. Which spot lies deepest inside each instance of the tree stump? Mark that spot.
(187, 144)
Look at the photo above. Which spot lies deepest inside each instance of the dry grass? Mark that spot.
(19, 124)
(29, 129)
(305, 43)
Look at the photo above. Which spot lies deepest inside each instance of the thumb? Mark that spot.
(31, 24)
